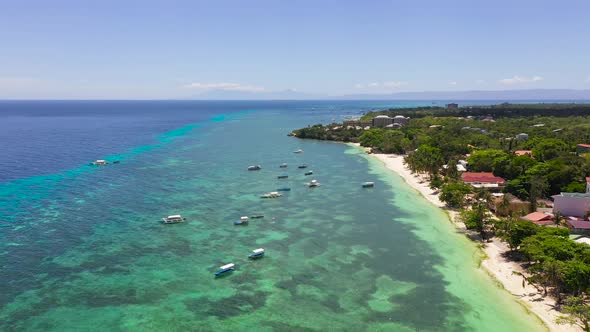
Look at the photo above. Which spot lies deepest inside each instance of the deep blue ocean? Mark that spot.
(82, 247)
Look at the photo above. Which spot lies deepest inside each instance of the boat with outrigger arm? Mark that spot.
(283, 165)
(284, 189)
(313, 183)
(99, 162)
(225, 269)
(272, 194)
(302, 166)
(174, 219)
(243, 221)
(257, 216)
(298, 151)
(308, 173)
(283, 176)
(368, 184)
(254, 168)
(257, 253)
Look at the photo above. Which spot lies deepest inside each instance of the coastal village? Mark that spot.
(516, 178)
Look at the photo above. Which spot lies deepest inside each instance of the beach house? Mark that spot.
(571, 204)
(482, 180)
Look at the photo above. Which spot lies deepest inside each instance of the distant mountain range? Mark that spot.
(499, 95)
(529, 94)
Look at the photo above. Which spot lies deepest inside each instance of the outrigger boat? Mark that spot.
(242, 221)
(308, 173)
(99, 162)
(173, 219)
(284, 189)
(368, 184)
(283, 176)
(298, 151)
(302, 166)
(313, 183)
(257, 216)
(254, 168)
(225, 269)
(283, 165)
(257, 253)
(272, 194)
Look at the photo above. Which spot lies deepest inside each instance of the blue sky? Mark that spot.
(185, 49)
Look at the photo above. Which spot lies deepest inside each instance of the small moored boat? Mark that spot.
(257, 253)
(298, 151)
(257, 216)
(242, 221)
(99, 162)
(254, 168)
(308, 173)
(302, 166)
(313, 183)
(284, 189)
(368, 184)
(272, 194)
(225, 269)
(283, 165)
(173, 219)
(283, 176)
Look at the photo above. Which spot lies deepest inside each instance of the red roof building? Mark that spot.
(578, 226)
(582, 148)
(523, 153)
(539, 218)
(482, 179)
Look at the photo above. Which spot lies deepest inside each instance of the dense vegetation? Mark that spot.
(437, 137)
(500, 110)
(431, 142)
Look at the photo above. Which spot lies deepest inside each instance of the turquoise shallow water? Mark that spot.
(88, 252)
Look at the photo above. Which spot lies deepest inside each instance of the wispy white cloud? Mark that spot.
(480, 82)
(224, 87)
(394, 84)
(587, 79)
(359, 86)
(520, 79)
(452, 83)
(373, 85)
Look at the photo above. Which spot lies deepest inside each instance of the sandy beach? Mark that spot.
(495, 264)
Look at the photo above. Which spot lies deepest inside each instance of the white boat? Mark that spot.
(100, 162)
(254, 168)
(243, 221)
(225, 268)
(272, 194)
(368, 184)
(173, 219)
(283, 165)
(256, 253)
(313, 183)
(298, 151)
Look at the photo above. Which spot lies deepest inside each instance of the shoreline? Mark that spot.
(494, 264)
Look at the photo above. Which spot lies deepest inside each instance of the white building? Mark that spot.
(400, 119)
(382, 121)
(571, 204)
(522, 136)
